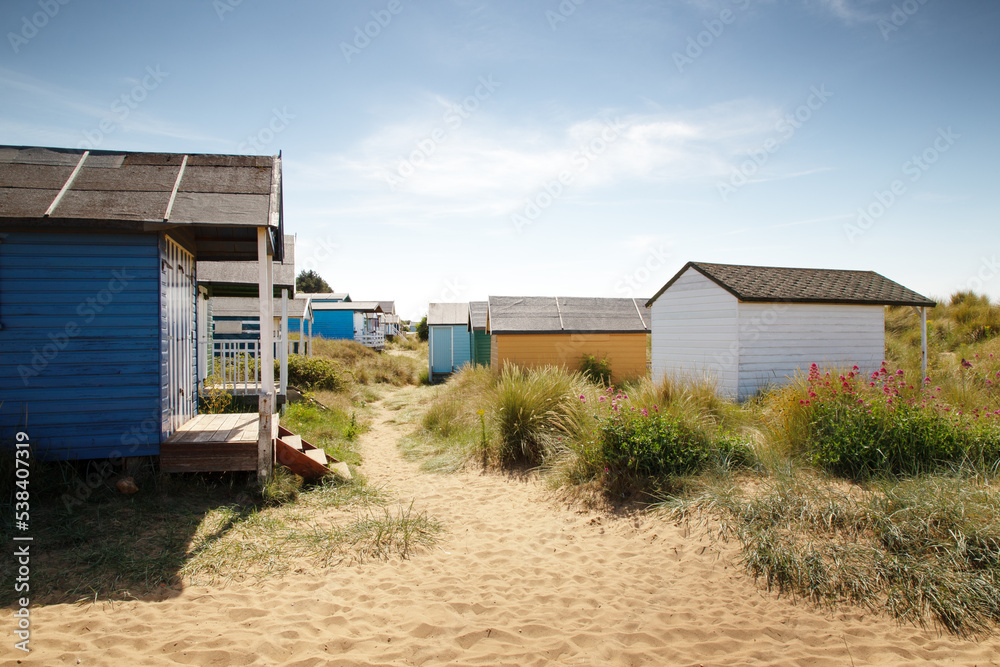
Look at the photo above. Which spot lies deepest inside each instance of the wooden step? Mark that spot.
(317, 455)
(305, 459)
(340, 469)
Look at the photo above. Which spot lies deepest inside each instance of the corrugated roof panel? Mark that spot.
(448, 314)
(600, 314)
(478, 311)
(564, 315)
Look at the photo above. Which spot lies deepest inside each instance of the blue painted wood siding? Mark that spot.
(463, 347)
(445, 358)
(79, 344)
(333, 324)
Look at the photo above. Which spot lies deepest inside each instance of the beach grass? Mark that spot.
(878, 490)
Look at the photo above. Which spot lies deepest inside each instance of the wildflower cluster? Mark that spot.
(884, 423)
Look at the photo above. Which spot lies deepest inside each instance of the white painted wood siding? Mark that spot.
(695, 333)
(779, 339)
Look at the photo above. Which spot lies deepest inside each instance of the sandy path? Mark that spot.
(516, 579)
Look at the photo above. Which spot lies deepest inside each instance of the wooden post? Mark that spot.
(283, 377)
(265, 399)
(923, 343)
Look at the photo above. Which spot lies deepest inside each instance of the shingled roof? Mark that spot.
(568, 315)
(477, 315)
(51, 188)
(447, 314)
(790, 285)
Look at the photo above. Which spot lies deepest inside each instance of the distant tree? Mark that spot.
(422, 329)
(311, 282)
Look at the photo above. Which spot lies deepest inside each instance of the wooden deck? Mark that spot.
(213, 443)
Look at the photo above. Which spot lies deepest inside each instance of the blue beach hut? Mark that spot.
(448, 338)
(99, 306)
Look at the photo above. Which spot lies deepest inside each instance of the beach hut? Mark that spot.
(448, 338)
(390, 320)
(99, 308)
(748, 327)
(533, 331)
(479, 338)
(360, 321)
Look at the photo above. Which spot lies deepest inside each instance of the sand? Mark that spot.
(517, 578)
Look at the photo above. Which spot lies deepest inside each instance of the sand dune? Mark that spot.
(517, 579)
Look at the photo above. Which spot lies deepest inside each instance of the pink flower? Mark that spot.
(583, 398)
(966, 364)
(856, 368)
(600, 398)
(644, 413)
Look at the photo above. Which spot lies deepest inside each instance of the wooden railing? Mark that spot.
(372, 339)
(234, 363)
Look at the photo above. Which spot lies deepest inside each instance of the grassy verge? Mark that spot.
(190, 529)
(923, 548)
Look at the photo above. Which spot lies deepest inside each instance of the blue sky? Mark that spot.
(446, 150)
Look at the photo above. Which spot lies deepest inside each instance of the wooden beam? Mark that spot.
(923, 343)
(265, 399)
(173, 193)
(283, 376)
(67, 185)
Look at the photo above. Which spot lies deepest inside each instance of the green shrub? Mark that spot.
(314, 373)
(653, 445)
(596, 370)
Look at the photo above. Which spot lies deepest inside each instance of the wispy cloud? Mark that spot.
(488, 166)
(61, 116)
(851, 11)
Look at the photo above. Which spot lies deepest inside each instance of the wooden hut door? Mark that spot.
(177, 281)
(441, 350)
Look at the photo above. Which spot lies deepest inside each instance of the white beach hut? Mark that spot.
(748, 327)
